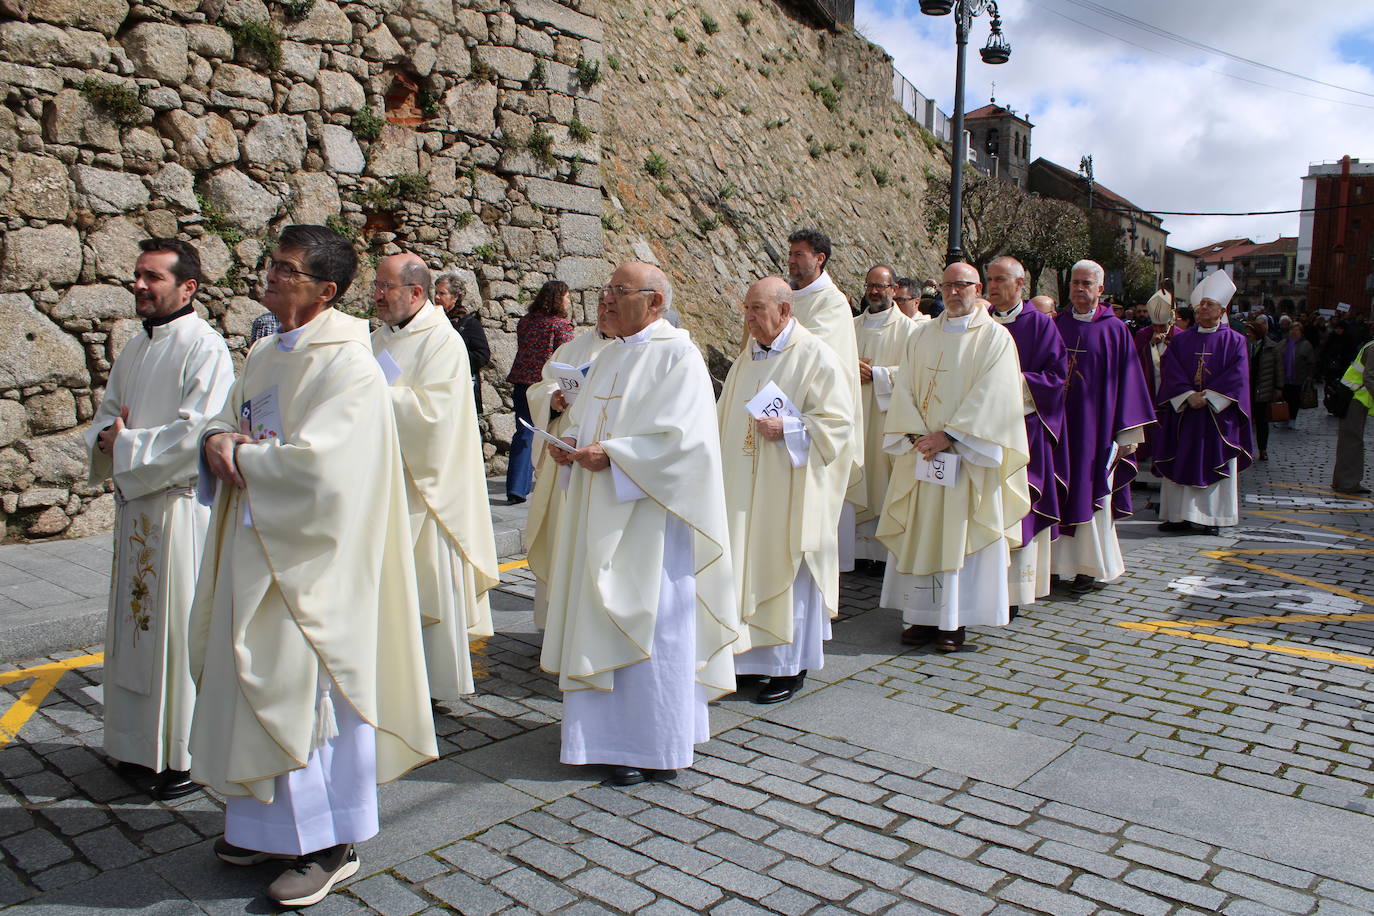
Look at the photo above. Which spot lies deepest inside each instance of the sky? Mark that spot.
(1169, 126)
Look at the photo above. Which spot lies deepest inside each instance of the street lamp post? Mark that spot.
(996, 51)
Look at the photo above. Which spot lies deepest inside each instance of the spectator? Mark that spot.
(544, 329)
(448, 295)
(1299, 362)
(265, 325)
(1266, 380)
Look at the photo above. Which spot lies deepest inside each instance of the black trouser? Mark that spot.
(1293, 395)
(1261, 419)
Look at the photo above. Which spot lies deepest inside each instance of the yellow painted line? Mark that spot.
(1229, 557)
(45, 678)
(1326, 490)
(1280, 517)
(1171, 628)
(513, 564)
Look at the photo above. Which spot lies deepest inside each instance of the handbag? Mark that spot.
(1279, 412)
(1309, 395)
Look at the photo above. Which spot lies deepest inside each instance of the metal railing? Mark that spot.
(923, 109)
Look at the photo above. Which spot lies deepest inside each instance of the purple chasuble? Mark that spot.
(1147, 366)
(1193, 446)
(1044, 366)
(1106, 396)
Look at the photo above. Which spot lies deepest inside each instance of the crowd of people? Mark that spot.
(304, 551)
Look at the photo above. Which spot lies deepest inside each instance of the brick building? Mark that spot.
(1335, 255)
(999, 142)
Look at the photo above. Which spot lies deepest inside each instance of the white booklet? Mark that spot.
(1112, 456)
(390, 368)
(260, 417)
(547, 436)
(942, 469)
(569, 378)
(771, 402)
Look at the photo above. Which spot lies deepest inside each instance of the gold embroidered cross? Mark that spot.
(1199, 378)
(930, 388)
(1074, 353)
(605, 419)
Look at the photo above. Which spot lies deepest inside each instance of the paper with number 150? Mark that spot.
(771, 402)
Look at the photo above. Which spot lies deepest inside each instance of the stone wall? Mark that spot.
(461, 129)
(516, 140)
(757, 123)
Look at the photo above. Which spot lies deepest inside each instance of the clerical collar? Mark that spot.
(150, 323)
(1008, 317)
(764, 351)
(643, 336)
(816, 285)
(1212, 330)
(287, 340)
(402, 324)
(1088, 317)
(957, 324)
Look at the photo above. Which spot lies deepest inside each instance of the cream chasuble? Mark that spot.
(965, 384)
(173, 383)
(823, 310)
(649, 403)
(546, 499)
(450, 518)
(882, 340)
(782, 515)
(308, 583)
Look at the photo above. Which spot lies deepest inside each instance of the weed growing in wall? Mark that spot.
(656, 165)
(366, 125)
(122, 104)
(259, 36)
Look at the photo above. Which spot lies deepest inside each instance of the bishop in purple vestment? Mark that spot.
(1106, 409)
(1044, 368)
(1204, 437)
(1150, 343)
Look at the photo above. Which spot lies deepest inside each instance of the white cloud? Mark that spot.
(1163, 133)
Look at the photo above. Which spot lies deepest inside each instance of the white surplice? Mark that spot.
(810, 632)
(1218, 504)
(172, 382)
(1093, 548)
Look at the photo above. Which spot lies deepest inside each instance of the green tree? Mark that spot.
(1140, 279)
(1054, 234)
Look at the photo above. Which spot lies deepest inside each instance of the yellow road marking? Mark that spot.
(513, 564)
(1327, 490)
(45, 678)
(1183, 628)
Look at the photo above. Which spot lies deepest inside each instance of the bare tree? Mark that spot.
(994, 213)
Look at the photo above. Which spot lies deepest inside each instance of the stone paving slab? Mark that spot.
(1302, 834)
(1194, 776)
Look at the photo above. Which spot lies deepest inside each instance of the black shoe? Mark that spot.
(1014, 611)
(780, 688)
(174, 784)
(513, 500)
(1081, 584)
(1210, 530)
(950, 640)
(626, 776)
(918, 635)
(747, 682)
(1175, 527)
(661, 775)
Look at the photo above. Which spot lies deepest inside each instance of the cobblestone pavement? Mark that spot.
(1195, 738)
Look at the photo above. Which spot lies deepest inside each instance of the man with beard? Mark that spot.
(166, 384)
(882, 333)
(820, 307)
(1043, 366)
(1106, 411)
(949, 524)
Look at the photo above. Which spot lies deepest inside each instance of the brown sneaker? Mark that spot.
(312, 876)
(237, 855)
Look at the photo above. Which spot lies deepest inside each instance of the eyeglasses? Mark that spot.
(289, 271)
(957, 286)
(388, 287)
(879, 285)
(619, 291)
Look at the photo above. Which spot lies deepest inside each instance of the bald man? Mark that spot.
(642, 616)
(784, 481)
(958, 490)
(425, 362)
(1045, 304)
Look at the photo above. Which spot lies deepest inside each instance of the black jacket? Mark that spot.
(469, 327)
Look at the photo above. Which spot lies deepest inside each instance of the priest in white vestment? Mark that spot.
(956, 413)
(642, 617)
(882, 333)
(430, 383)
(305, 633)
(163, 388)
(820, 307)
(784, 483)
(549, 402)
